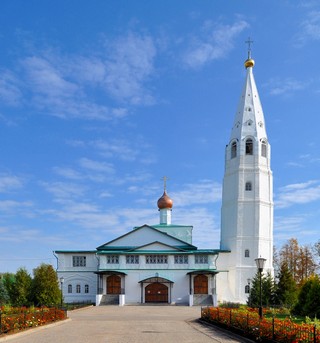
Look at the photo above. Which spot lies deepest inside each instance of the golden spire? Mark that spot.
(249, 62)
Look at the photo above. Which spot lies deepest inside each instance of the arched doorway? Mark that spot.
(114, 284)
(200, 283)
(156, 293)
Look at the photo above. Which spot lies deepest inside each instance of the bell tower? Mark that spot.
(247, 197)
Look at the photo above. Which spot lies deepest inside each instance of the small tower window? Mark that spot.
(69, 288)
(249, 147)
(264, 149)
(247, 253)
(234, 150)
(248, 186)
(247, 289)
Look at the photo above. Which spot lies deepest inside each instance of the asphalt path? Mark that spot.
(128, 324)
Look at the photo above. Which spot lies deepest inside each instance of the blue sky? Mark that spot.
(100, 99)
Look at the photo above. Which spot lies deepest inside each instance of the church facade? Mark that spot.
(159, 264)
(150, 264)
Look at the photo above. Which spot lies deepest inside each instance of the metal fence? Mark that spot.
(24, 318)
(265, 329)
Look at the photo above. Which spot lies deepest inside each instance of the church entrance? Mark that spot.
(114, 284)
(200, 284)
(156, 293)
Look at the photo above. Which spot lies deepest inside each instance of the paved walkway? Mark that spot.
(128, 324)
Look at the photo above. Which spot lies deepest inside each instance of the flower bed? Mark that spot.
(17, 319)
(249, 324)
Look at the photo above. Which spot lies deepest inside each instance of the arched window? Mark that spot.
(78, 289)
(86, 288)
(247, 289)
(247, 253)
(69, 288)
(264, 149)
(234, 150)
(249, 146)
(248, 186)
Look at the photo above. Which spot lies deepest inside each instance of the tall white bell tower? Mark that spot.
(247, 198)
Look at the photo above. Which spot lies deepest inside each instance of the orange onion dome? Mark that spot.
(165, 201)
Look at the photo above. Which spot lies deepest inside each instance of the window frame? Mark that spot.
(248, 186)
(79, 261)
(249, 146)
(156, 259)
(181, 259)
(112, 259)
(264, 149)
(234, 149)
(201, 259)
(132, 259)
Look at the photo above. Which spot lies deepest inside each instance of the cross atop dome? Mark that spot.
(249, 42)
(165, 179)
(249, 61)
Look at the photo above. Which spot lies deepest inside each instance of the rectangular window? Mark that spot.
(78, 289)
(79, 261)
(69, 288)
(86, 288)
(158, 259)
(181, 259)
(112, 259)
(201, 259)
(132, 259)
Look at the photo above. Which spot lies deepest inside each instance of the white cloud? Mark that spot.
(47, 79)
(129, 65)
(96, 166)
(285, 86)
(217, 41)
(10, 92)
(300, 193)
(57, 92)
(9, 183)
(116, 148)
(68, 173)
(202, 192)
(311, 26)
(16, 208)
(63, 190)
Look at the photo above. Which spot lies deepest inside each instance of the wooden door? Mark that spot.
(200, 284)
(156, 293)
(113, 284)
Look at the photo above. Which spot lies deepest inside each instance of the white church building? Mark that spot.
(159, 264)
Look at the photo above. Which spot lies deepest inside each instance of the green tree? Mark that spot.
(268, 290)
(4, 296)
(309, 298)
(45, 286)
(267, 284)
(22, 288)
(8, 280)
(286, 288)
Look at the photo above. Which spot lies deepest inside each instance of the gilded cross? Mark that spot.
(165, 179)
(249, 42)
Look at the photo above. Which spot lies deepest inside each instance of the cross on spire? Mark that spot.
(249, 42)
(165, 179)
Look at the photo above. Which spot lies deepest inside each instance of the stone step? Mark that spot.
(110, 299)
